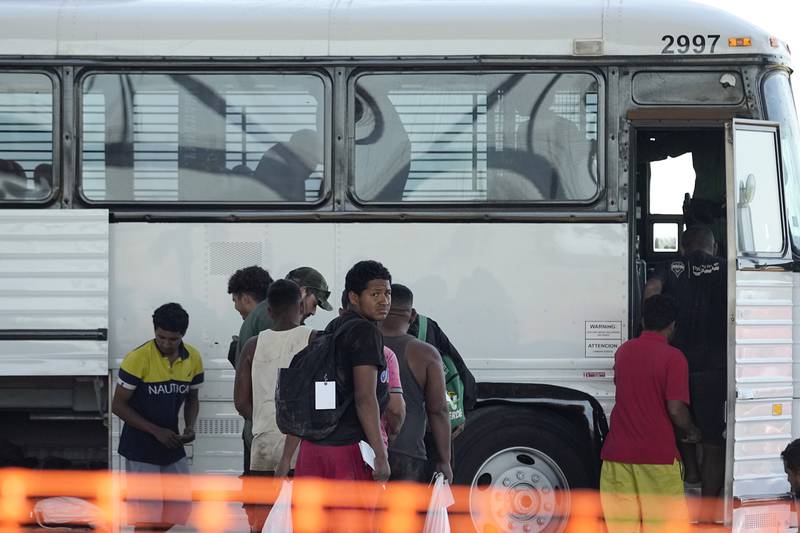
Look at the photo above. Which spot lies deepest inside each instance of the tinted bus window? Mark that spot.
(203, 137)
(26, 137)
(496, 137)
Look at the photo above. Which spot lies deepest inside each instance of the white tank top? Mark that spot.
(274, 350)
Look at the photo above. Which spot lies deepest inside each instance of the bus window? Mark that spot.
(496, 137)
(26, 137)
(246, 138)
(780, 108)
(759, 221)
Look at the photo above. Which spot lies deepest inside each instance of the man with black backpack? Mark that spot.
(334, 392)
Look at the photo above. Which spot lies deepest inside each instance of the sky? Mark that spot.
(779, 18)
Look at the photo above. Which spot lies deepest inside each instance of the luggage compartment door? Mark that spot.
(53, 292)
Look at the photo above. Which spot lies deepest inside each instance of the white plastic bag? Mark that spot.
(65, 510)
(436, 520)
(280, 516)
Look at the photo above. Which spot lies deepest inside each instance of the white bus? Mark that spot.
(506, 160)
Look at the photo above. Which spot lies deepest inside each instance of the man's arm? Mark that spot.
(290, 444)
(436, 404)
(191, 408)
(395, 414)
(243, 384)
(682, 419)
(365, 378)
(120, 406)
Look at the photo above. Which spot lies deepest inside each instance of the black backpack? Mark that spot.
(294, 394)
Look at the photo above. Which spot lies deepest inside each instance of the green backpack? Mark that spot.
(455, 387)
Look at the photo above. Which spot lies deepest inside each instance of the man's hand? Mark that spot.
(282, 470)
(445, 469)
(168, 438)
(382, 471)
(692, 436)
(458, 430)
(188, 436)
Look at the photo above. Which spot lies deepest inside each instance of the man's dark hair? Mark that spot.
(362, 273)
(698, 237)
(402, 296)
(659, 311)
(282, 294)
(252, 280)
(791, 456)
(171, 317)
(345, 300)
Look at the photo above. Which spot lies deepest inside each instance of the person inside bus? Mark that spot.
(155, 381)
(383, 148)
(286, 166)
(43, 178)
(13, 182)
(698, 281)
(547, 156)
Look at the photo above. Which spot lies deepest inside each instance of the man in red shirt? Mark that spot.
(640, 482)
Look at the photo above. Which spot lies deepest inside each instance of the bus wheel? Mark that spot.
(520, 465)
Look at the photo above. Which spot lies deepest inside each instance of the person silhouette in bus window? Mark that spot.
(383, 148)
(13, 184)
(43, 178)
(286, 166)
(548, 157)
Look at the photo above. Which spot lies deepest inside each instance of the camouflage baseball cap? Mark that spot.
(312, 280)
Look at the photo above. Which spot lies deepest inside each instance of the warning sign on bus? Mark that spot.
(603, 338)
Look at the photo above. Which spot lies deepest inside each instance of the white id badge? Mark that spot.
(324, 395)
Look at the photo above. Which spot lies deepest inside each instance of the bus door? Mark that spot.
(760, 291)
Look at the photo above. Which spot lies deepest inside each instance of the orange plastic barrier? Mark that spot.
(318, 505)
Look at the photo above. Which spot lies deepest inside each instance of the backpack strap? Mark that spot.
(422, 332)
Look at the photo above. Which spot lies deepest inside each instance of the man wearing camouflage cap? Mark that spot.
(313, 288)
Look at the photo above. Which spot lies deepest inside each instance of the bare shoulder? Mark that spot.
(423, 351)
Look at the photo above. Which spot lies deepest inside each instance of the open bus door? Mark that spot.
(760, 290)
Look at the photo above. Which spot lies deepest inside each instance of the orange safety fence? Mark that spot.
(318, 505)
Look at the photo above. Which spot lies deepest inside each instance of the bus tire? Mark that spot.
(532, 456)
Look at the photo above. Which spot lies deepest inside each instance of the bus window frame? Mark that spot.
(595, 201)
(758, 259)
(765, 77)
(326, 192)
(56, 176)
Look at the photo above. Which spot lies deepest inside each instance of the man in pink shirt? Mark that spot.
(640, 481)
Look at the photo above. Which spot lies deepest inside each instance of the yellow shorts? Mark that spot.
(643, 498)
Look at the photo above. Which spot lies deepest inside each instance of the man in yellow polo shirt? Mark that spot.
(155, 380)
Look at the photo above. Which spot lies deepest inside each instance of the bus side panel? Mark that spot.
(764, 386)
(516, 299)
(53, 292)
